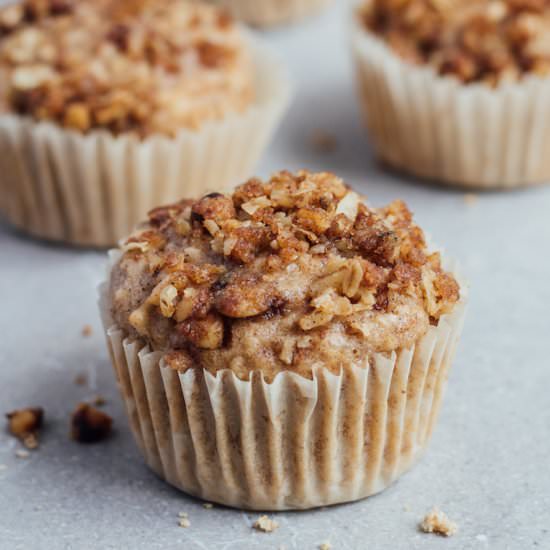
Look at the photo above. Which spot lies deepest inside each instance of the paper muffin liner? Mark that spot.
(93, 189)
(435, 127)
(295, 443)
(266, 13)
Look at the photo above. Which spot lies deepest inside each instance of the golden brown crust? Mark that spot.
(283, 274)
(141, 66)
(491, 41)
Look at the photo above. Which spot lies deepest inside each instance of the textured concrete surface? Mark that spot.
(488, 463)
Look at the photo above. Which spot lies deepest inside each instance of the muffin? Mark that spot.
(109, 108)
(283, 347)
(457, 92)
(265, 13)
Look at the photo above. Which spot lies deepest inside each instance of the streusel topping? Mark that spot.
(143, 66)
(490, 41)
(282, 275)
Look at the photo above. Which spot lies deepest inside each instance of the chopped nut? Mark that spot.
(90, 425)
(25, 425)
(167, 296)
(263, 523)
(437, 522)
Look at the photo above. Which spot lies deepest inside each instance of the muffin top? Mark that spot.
(491, 41)
(282, 275)
(140, 66)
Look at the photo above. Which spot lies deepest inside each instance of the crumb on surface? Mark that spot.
(22, 453)
(208, 505)
(185, 523)
(470, 199)
(265, 524)
(323, 141)
(87, 331)
(90, 425)
(437, 522)
(325, 546)
(98, 400)
(81, 379)
(25, 425)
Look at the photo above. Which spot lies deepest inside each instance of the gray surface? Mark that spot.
(487, 466)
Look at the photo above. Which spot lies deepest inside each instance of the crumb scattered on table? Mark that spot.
(98, 401)
(470, 199)
(208, 505)
(324, 142)
(265, 524)
(325, 546)
(80, 379)
(87, 331)
(437, 522)
(183, 514)
(25, 425)
(22, 453)
(90, 425)
(185, 523)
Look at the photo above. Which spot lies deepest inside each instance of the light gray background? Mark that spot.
(488, 464)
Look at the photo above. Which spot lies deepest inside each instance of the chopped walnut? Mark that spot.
(90, 425)
(263, 523)
(25, 424)
(437, 522)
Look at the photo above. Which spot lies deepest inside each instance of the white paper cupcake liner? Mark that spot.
(437, 128)
(264, 13)
(93, 189)
(292, 444)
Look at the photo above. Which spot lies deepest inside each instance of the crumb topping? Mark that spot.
(281, 275)
(438, 523)
(140, 66)
(25, 424)
(490, 41)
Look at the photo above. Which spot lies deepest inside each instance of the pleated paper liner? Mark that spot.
(292, 444)
(265, 13)
(436, 128)
(92, 189)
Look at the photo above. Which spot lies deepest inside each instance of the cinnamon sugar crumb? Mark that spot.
(25, 425)
(265, 524)
(438, 523)
(87, 331)
(90, 425)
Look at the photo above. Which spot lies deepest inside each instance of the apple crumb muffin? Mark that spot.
(491, 41)
(282, 275)
(140, 66)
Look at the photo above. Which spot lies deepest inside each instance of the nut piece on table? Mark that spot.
(25, 425)
(265, 524)
(90, 425)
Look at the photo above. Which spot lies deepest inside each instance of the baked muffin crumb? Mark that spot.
(265, 524)
(438, 523)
